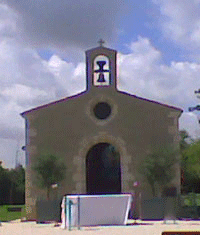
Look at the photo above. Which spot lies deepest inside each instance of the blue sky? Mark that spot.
(42, 55)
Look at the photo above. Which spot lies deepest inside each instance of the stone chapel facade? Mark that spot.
(95, 130)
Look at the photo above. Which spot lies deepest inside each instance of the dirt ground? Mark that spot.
(143, 227)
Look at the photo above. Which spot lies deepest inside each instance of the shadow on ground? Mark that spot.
(131, 224)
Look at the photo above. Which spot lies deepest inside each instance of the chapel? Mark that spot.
(102, 135)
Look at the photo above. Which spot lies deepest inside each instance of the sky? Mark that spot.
(42, 56)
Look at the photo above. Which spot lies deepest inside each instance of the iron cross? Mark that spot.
(101, 42)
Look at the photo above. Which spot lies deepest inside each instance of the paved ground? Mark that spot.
(147, 228)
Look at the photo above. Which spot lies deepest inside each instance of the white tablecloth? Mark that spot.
(96, 210)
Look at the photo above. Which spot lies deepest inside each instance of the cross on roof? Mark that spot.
(101, 42)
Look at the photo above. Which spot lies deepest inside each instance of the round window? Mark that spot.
(102, 110)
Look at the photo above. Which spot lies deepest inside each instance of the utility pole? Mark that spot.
(197, 107)
(16, 159)
(17, 162)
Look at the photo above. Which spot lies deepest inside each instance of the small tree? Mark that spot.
(191, 163)
(158, 167)
(5, 184)
(185, 142)
(49, 171)
(17, 185)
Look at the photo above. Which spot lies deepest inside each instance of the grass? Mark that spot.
(8, 216)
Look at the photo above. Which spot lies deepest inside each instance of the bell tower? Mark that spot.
(101, 67)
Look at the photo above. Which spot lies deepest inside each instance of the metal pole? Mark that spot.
(65, 210)
(70, 215)
(78, 213)
(140, 205)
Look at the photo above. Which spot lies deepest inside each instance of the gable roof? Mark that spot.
(82, 93)
(152, 101)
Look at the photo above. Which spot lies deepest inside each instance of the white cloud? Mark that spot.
(69, 76)
(9, 148)
(180, 21)
(142, 73)
(8, 21)
(21, 93)
(189, 122)
(11, 124)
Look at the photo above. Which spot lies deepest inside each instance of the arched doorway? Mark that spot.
(103, 172)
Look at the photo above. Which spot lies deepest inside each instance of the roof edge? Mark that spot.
(100, 48)
(152, 101)
(82, 93)
(52, 103)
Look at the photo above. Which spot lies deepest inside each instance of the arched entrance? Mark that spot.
(103, 172)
